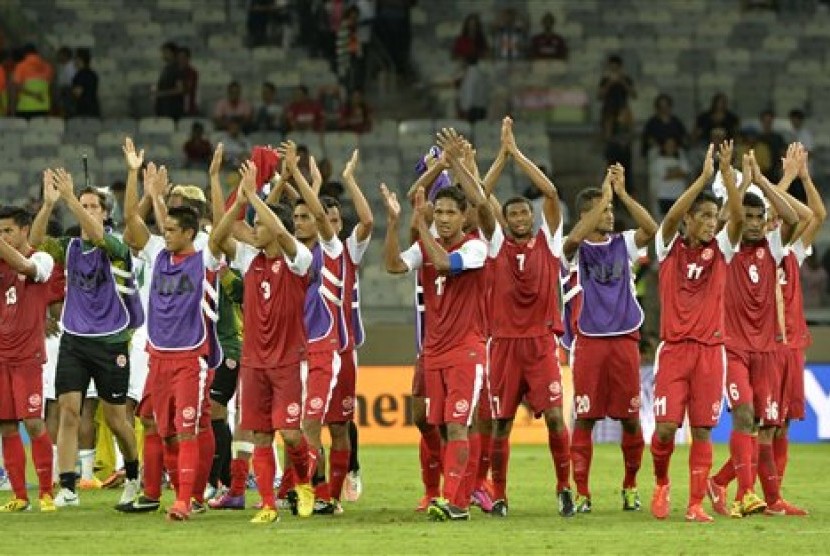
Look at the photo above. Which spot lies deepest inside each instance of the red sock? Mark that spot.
(188, 468)
(42, 458)
(288, 483)
(661, 456)
(499, 458)
(780, 446)
(338, 469)
(560, 451)
(207, 448)
(455, 464)
(322, 491)
(429, 451)
(582, 451)
(484, 460)
(171, 462)
(299, 456)
(265, 467)
(471, 472)
(632, 448)
(755, 454)
(726, 474)
(740, 448)
(239, 476)
(14, 456)
(768, 474)
(153, 465)
(700, 462)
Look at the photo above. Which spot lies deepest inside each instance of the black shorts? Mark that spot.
(81, 359)
(225, 378)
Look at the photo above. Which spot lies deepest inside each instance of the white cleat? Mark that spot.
(131, 489)
(67, 498)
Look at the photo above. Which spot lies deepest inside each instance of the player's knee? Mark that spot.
(586, 424)
(630, 426)
(701, 434)
(70, 416)
(503, 427)
(766, 434)
(554, 420)
(217, 410)
(8, 428)
(743, 418)
(149, 425)
(34, 427)
(456, 431)
(665, 431)
(312, 429)
(291, 437)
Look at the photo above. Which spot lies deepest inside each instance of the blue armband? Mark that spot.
(456, 263)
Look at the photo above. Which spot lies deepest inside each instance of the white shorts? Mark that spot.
(139, 365)
(52, 345)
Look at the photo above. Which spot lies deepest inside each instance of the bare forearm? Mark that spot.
(392, 250)
(425, 181)
(537, 177)
(93, 229)
(814, 200)
(217, 200)
(640, 215)
(434, 252)
(16, 260)
(784, 210)
(362, 208)
(494, 173)
(41, 224)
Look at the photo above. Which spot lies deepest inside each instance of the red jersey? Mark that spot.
(272, 304)
(789, 277)
(453, 302)
(525, 287)
(751, 316)
(23, 304)
(692, 280)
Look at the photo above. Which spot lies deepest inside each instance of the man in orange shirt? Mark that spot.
(32, 80)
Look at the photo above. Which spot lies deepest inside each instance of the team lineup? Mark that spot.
(254, 300)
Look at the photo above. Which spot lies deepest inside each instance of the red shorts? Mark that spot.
(341, 406)
(21, 390)
(270, 399)
(452, 392)
(485, 402)
(689, 376)
(178, 389)
(757, 379)
(144, 409)
(323, 369)
(419, 388)
(606, 377)
(524, 368)
(792, 362)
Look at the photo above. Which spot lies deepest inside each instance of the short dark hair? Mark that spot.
(197, 126)
(704, 197)
(186, 216)
(455, 194)
(797, 113)
(65, 50)
(118, 185)
(184, 50)
(270, 86)
(661, 97)
(615, 59)
(585, 199)
(103, 198)
(170, 45)
(518, 199)
(329, 202)
(303, 89)
(234, 84)
(20, 216)
(767, 112)
(84, 54)
(285, 214)
(752, 200)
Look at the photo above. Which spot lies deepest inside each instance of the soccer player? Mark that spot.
(100, 311)
(276, 277)
(755, 381)
(453, 356)
(605, 356)
(690, 361)
(181, 337)
(24, 298)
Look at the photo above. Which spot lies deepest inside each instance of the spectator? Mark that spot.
(66, 70)
(473, 92)
(326, 17)
(509, 35)
(718, 115)
(668, 174)
(661, 126)
(548, 45)
(198, 151)
(260, 13)
(393, 29)
(169, 90)
(304, 113)
(356, 115)
(800, 133)
(351, 62)
(618, 134)
(85, 87)
(774, 141)
(32, 81)
(234, 107)
(814, 282)
(331, 104)
(190, 81)
(615, 88)
(472, 40)
(269, 115)
(749, 140)
(235, 145)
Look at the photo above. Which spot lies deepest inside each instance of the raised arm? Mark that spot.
(281, 185)
(363, 230)
(785, 212)
(289, 153)
(217, 196)
(426, 180)
(391, 246)
(496, 169)
(814, 201)
(551, 208)
(746, 181)
(454, 149)
(136, 234)
(734, 199)
(682, 205)
(436, 254)
(50, 196)
(646, 226)
(287, 242)
(588, 222)
(791, 164)
(21, 264)
(94, 229)
(316, 176)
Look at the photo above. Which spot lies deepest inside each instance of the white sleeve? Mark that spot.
(412, 257)
(244, 256)
(634, 252)
(496, 241)
(154, 246)
(473, 254)
(801, 252)
(555, 242)
(357, 249)
(210, 261)
(44, 264)
(725, 245)
(661, 248)
(302, 259)
(776, 245)
(333, 248)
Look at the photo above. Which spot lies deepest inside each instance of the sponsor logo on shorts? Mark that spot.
(348, 404)
(275, 268)
(462, 406)
(316, 403)
(230, 363)
(759, 253)
(635, 402)
(555, 388)
(34, 400)
(188, 413)
(707, 254)
(293, 409)
(121, 360)
(716, 408)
